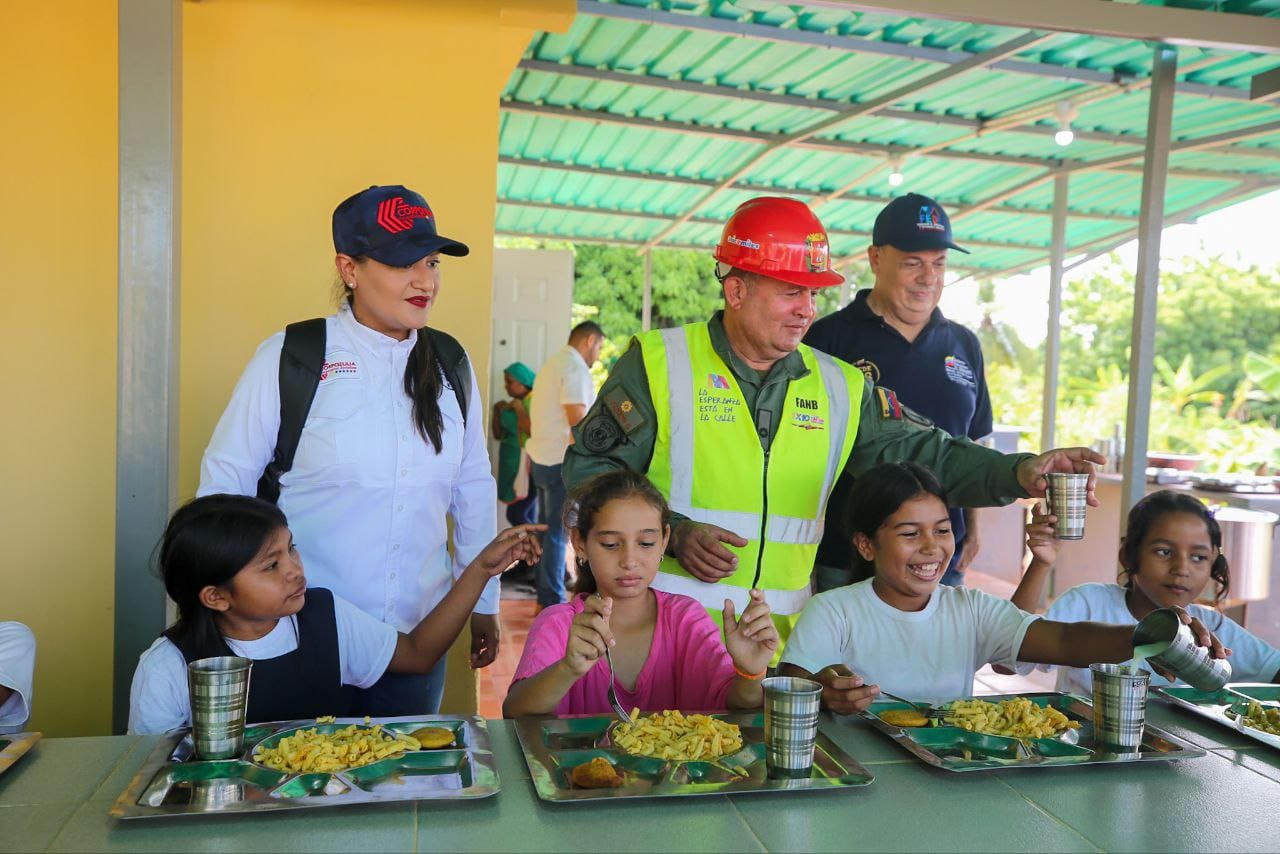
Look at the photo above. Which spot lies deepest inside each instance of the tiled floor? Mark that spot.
(517, 616)
(492, 682)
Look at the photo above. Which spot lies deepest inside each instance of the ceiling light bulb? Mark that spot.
(895, 170)
(1066, 113)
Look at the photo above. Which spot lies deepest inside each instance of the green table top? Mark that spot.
(57, 796)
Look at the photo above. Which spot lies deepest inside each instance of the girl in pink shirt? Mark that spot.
(667, 652)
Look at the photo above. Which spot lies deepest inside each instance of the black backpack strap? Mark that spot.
(301, 361)
(453, 360)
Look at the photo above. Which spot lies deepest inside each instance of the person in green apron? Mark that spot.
(509, 425)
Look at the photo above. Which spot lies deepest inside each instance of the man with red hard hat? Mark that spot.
(745, 429)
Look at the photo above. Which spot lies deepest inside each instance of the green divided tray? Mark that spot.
(1228, 705)
(957, 749)
(553, 747)
(174, 782)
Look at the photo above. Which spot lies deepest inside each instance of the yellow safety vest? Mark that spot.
(709, 462)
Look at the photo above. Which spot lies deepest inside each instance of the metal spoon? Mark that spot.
(834, 670)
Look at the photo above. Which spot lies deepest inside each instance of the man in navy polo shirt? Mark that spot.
(898, 337)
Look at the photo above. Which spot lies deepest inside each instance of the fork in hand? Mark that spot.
(613, 695)
(931, 712)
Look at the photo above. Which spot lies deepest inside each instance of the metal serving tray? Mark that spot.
(1235, 697)
(553, 747)
(172, 782)
(957, 749)
(13, 745)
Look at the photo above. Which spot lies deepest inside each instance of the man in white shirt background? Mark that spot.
(565, 393)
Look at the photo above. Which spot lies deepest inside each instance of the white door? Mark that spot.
(532, 314)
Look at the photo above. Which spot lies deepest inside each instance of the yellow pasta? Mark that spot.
(675, 736)
(1259, 717)
(1017, 717)
(349, 747)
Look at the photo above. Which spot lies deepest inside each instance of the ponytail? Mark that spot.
(423, 380)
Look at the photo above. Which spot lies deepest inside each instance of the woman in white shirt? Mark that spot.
(386, 452)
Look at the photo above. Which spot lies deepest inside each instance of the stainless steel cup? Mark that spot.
(209, 795)
(1067, 500)
(790, 725)
(1119, 706)
(219, 696)
(1164, 640)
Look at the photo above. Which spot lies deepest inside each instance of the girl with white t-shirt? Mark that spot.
(230, 565)
(901, 630)
(1170, 553)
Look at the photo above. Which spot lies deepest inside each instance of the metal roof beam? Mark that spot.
(1096, 248)
(774, 140)
(841, 146)
(1264, 85)
(700, 220)
(863, 108)
(765, 189)
(759, 96)
(1192, 27)
(855, 44)
(607, 118)
(639, 244)
(1182, 146)
(833, 145)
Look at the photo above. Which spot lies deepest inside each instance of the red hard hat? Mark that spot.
(779, 238)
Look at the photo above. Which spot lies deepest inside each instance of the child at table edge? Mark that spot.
(667, 652)
(230, 565)
(1171, 551)
(900, 629)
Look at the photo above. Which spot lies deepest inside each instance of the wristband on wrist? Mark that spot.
(755, 677)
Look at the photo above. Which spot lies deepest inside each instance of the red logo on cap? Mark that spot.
(396, 216)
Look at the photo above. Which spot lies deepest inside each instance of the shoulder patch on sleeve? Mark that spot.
(601, 433)
(623, 410)
(890, 408)
(915, 417)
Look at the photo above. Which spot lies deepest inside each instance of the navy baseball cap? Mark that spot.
(393, 225)
(913, 222)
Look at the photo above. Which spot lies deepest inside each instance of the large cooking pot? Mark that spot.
(1246, 541)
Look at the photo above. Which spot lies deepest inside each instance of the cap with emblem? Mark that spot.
(779, 238)
(392, 225)
(913, 222)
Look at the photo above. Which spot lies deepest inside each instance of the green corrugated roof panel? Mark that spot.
(684, 119)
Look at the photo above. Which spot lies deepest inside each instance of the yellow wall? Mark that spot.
(290, 106)
(58, 238)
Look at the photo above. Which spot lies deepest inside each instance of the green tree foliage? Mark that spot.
(611, 279)
(1207, 310)
(1216, 389)
(1217, 385)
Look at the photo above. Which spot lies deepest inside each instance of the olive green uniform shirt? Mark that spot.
(619, 430)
